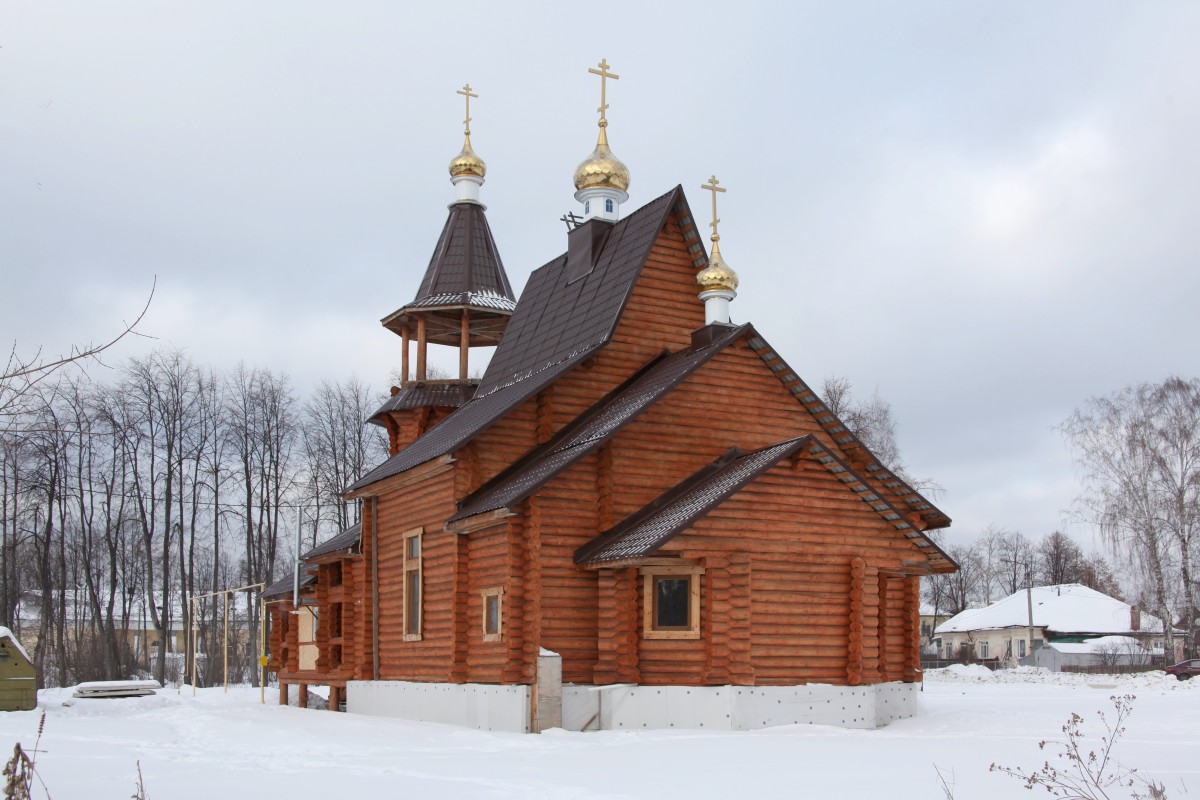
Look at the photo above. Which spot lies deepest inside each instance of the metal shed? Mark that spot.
(18, 678)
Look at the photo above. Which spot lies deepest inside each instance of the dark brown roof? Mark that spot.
(465, 268)
(645, 531)
(285, 586)
(450, 394)
(346, 540)
(594, 427)
(555, 326)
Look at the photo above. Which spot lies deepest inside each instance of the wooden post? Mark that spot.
(335, 697)
(406, 336)
(420, 349)
(262, 648)
(226, 596)
(464, 345)
(302, 698)
(283, 692)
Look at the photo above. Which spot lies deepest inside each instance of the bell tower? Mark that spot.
(464, 301)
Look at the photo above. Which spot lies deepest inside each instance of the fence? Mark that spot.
(938, 663)
(1110, 669)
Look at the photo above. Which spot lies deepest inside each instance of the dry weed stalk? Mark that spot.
(1082, 774)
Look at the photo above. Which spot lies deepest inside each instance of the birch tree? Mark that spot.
(1138, 453)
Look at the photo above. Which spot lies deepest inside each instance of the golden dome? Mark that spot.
(602, 169)
(467, 162)
(717, 276)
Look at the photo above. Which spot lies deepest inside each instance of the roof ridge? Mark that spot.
(843, 437)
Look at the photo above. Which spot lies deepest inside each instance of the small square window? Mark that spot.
(493, 609)
(671, 602)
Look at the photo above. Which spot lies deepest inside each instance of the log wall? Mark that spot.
(802, 582)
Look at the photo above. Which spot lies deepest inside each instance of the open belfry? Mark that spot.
(640, 516)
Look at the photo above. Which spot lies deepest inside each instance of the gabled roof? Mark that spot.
(1063, 609)
(642, 533)
(346, 540)
(556, 325)
(910, 500)
(595, 426)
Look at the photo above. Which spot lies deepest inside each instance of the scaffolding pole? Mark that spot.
(260, 644)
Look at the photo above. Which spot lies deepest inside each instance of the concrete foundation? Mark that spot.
(631, 707)
(735, 708)
(471, 705)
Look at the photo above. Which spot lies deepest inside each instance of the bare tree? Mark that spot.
(1138, 451)
(1058, 560)
(1016, 557)
(962, 587)
(23, 374)
(339, 446)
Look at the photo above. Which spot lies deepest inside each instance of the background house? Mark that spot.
(1065, 614)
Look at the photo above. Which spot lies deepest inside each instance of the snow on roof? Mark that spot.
(1066, 608)
(1125, 645)
(5, 633)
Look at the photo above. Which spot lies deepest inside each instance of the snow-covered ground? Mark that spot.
(230, 746)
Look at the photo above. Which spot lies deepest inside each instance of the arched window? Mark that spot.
(608, 206)
(587, 207)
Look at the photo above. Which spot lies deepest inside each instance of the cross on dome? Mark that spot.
(717, 281)
(602, 181)
(604, 76)
(466, 92)
(467, 168)
(713, 187)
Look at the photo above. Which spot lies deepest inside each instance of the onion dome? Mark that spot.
(602, 169)
(467, 162)
(717, 276)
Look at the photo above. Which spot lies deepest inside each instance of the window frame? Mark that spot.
(413, 629)
(650, 578)
(497, 635)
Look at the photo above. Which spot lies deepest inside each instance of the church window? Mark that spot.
(493, 621)
(671, 602)
(587, 207)
(412, 585)
(608, 206)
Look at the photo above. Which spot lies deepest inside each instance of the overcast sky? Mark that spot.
(985, 212)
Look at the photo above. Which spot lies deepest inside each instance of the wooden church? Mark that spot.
(640, 516)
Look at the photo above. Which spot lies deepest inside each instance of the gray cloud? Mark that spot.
(985, 213)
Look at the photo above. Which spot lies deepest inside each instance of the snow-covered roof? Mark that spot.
(5, 633)
(1125, 645)
(1066, 608)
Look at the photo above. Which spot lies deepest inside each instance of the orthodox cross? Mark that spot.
(604, 76)
(466, 92)
(713, 187)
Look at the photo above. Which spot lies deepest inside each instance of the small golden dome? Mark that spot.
(602, 169)
(717, 275)
(467, 162)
